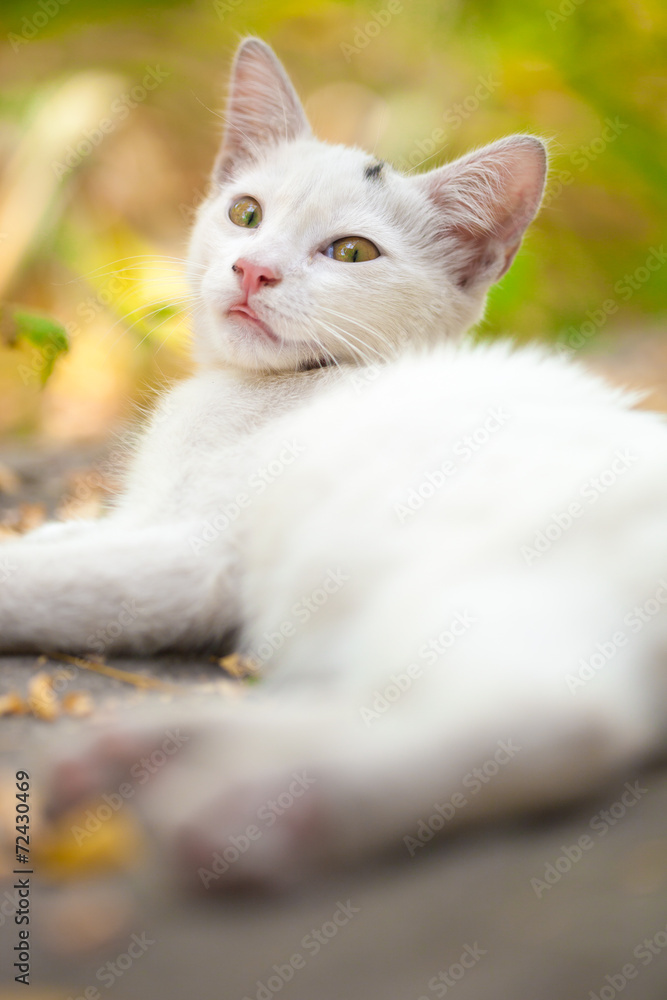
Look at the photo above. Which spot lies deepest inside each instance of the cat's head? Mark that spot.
(307, 253)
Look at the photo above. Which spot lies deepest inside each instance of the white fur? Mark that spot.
(271, 478)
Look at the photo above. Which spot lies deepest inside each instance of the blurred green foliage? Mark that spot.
(418, 82)
(44, 333)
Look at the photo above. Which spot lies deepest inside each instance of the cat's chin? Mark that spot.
(249, 343)
(238, 345)
(234, 338)
(252, 326)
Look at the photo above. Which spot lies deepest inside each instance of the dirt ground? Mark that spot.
(512, 912)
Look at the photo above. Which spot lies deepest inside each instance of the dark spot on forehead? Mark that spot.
(373, 171)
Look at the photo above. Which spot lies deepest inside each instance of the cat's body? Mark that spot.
(422, 544)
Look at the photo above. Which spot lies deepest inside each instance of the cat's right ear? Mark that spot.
(263, 108)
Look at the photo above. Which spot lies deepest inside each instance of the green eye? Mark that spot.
(352, 250)
(246, 212)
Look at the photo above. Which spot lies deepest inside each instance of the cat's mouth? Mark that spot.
(242, 311)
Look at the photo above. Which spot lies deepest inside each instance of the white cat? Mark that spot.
(449, 559)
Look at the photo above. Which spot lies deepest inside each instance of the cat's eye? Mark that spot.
(352, 250)
(246, 212)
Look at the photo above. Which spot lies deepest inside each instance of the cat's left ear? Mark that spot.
(484, 202)
(263, 108)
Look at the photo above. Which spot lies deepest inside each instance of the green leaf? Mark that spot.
(44, 333)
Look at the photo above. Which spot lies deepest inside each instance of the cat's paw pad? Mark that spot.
(267, 833)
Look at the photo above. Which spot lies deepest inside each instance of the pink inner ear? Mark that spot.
(263, 107)
(485, 202)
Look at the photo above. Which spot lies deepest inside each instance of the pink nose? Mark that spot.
(253, 276)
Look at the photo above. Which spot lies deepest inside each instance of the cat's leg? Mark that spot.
(130, 589)
(265, 791)
(493, 729)
(458, 754)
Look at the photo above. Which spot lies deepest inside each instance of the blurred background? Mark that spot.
(109, 126)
